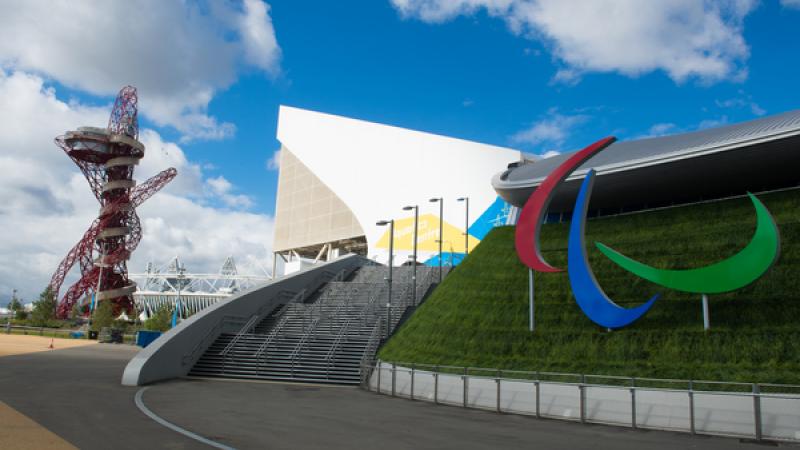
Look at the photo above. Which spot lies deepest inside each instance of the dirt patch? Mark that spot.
(14, 344)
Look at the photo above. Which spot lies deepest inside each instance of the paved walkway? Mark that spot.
(76, 394)
(286, 416)
(21, 433)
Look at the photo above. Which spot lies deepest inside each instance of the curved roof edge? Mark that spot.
(635, 154)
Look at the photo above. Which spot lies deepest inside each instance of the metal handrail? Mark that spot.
(245, 328)
(343, 331)
(283, 319)
(300, 345)
(188, 356)
(372, 344)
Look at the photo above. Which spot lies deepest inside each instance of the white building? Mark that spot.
(339, 176)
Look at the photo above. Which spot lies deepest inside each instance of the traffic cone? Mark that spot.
(51, 344)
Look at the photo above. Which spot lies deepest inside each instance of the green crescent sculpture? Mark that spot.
(730, 274)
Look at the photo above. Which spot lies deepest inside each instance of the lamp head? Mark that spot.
(434, 200)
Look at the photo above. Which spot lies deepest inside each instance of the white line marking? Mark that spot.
(140, 404)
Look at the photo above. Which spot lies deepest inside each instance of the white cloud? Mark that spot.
(795, 4)
(661, 129)
(223, 189)
(742, 101)
(685, 38)
(553, 129)
(176, 53)
(46, 205)
(274, 162)
(260, 46)
(712, 123)
(549, 154)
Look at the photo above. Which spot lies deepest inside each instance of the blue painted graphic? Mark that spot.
(588, 294)
(494, 216)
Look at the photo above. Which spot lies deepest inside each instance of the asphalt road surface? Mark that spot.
(76, 393)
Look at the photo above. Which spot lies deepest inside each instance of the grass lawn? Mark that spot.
(478, 316)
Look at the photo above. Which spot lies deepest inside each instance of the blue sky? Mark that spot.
(472, 78)
(537, 75)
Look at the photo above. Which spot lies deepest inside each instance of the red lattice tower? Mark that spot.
(107, 157)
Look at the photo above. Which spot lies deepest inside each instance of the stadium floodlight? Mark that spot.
(440, 201)
(414, 257)
(382, 223)
(466, 224)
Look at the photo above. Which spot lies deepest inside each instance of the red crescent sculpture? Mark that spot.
(532, 215)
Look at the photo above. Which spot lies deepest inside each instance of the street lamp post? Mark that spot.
(466, 224)
(391, 263)
(414, 268)
(440, 201)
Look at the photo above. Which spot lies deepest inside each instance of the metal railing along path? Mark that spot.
(751, 410)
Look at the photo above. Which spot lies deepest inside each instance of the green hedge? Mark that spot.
(478, 316)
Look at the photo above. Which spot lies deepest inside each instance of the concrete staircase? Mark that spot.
(322, 337)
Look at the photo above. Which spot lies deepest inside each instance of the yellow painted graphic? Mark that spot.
(428, 235)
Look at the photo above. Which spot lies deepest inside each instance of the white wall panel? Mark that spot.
(377, 169)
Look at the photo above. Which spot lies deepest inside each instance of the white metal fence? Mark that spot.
(757, 411)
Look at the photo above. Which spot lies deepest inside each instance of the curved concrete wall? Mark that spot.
(174, 353)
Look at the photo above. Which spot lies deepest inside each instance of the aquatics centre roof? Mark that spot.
(750, 156)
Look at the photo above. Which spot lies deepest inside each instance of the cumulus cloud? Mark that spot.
(685, 38)
(742, 101)
(274, 161)
(553, 130)
(179, 54)
(46, 205)
(712, 123)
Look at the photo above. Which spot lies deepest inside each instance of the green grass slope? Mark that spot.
(478, 316)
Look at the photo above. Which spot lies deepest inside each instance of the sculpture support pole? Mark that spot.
(531, 323)
(706, 320)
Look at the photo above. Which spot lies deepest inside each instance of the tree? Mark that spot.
(103, 315)
(160, 321)
(14, 304)
(44, 310)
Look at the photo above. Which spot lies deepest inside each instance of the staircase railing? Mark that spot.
(298, 349)
(300, 296)
(211, 334)
(369, 351)
(342, 334)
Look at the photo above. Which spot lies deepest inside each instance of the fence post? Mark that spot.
(633, 402)
(378, 390)
(412, 380)
(757, 410)
(436, 385)
(691, 407)
(499, 374)
(466, 385)
(394, 377)
(582, 398)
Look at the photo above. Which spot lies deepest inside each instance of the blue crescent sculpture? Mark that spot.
(588, 294)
